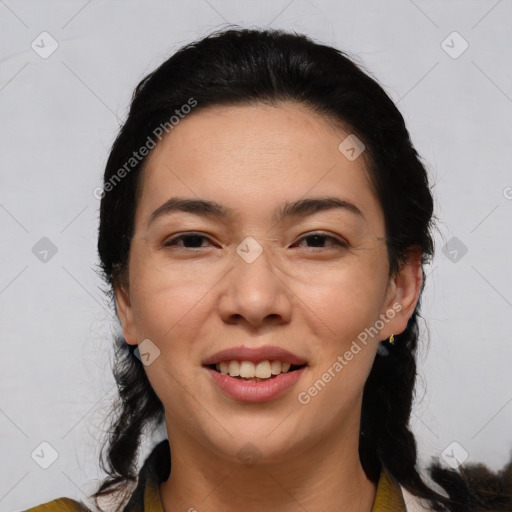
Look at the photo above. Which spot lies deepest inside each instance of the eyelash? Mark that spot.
(172, 242)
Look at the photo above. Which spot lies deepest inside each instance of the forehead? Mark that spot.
(252, 158)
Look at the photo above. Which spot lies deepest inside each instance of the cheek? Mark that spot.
(165, 299)
(346, 300)
(170, 311)
(163, 310)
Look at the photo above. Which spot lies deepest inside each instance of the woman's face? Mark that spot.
(252, 279)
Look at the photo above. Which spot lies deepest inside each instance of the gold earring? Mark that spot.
(391, 339)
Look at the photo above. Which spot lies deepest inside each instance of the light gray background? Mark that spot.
(59, 117)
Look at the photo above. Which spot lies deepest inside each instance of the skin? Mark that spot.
(194, 300)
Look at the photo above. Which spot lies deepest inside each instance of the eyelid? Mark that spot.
(176, 237)
(337, 240)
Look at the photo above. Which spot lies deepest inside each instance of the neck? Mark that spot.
(324, 476)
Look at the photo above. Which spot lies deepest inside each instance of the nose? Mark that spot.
(255, 293)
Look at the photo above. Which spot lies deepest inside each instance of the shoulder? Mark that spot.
(60, 505)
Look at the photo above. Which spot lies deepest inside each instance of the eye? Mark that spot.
(318, 239)
(193, 240)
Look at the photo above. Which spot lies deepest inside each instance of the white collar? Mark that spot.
(413, 503)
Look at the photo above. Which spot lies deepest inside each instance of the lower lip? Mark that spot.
(256, 391)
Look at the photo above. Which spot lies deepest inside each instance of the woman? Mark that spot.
(264, 223)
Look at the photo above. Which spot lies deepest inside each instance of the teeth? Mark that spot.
(275, 367)
(248, 370)
(234, 368)
(263, 370)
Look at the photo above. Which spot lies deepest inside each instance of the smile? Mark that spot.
(252, 388)
(248, 370)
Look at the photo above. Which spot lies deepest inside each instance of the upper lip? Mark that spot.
(255, 355)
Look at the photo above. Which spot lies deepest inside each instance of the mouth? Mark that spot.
(255, 374)
(259, 380)
(248, 371)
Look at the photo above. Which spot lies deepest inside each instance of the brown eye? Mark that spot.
(190, 241)
(318, 240)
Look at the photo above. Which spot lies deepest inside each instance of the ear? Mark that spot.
(403, 294)
(125, 313)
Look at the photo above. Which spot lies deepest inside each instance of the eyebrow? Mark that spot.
(299, 208)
